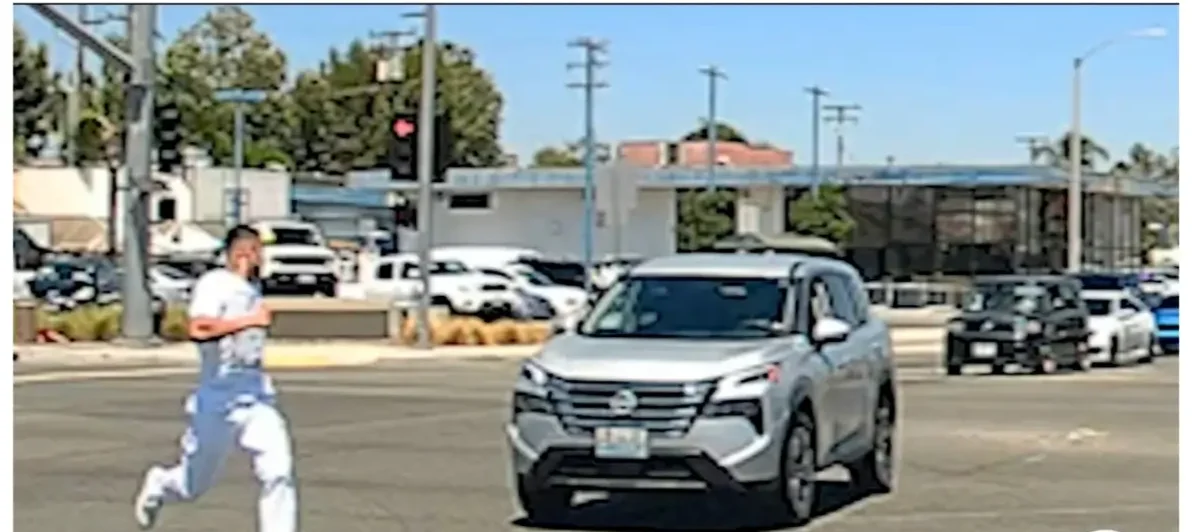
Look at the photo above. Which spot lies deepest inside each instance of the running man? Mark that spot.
(233, 402)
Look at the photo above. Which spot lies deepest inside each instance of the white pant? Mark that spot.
(257, 428)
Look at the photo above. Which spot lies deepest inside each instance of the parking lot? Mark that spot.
(418, 446)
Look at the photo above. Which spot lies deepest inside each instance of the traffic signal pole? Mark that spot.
(137, 320)
(427, 126)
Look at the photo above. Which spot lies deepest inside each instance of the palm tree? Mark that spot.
(1058, 154)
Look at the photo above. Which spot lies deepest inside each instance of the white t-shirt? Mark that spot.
(231, 364)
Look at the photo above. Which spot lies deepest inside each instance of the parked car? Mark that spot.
(1166, 319)
(171, 284)
(710, 373)
(1121, 328)
(563, 300)
(1036, 322)
(561, 272)
(451, 284)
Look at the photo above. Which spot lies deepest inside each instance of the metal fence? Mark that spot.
(917, 232)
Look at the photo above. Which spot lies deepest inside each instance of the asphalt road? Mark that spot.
(417, 446)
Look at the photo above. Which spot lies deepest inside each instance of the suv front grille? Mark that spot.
(665, 409)
(997, 326)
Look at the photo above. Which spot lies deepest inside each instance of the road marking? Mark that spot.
(69, 376)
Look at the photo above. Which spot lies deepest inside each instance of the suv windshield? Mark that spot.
(1006, 297)
(688, 307)
(292, 236)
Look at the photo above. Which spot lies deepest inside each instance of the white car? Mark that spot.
(451, 284)
(566, 301)
(1121, 327)
(170, 283)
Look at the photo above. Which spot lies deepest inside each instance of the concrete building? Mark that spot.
(911, 221)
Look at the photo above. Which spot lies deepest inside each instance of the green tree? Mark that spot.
(704, 217)
(36, 99)
(1145, 164)
(572, 155)
(723, 132)
(826, 216)
(224, 50)
(555, 157)
(1058, 154)
(99, 134)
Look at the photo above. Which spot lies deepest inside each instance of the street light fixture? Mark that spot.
(1075, 194)
(239, 97)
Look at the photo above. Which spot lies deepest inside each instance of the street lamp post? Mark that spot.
(239, 97)
(1075, 190)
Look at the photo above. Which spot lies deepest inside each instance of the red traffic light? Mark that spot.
(403, 127)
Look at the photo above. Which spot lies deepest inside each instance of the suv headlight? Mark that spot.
(955, 326)
(530, 396)
(533, 374)
(744, 408)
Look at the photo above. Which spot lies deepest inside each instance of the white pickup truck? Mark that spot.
(295, 258)
(451, 283)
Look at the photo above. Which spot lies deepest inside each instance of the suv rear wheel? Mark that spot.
(544, 505)
(873, 473)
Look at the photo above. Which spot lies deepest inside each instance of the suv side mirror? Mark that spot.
(829, 330)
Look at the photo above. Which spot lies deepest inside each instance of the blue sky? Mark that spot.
(950, 84)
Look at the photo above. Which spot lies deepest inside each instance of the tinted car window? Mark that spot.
(843, 300)
(1171, 302)
(1006, 297)
(1098, 307)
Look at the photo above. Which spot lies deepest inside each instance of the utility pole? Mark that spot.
(1033, 143)
(840, 115)
(713, 74)
(816, 94)
(592, 48)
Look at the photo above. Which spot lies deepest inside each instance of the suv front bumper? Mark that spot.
(964, 350)
(715, 454)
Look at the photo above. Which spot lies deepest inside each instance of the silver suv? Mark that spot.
(710, 372)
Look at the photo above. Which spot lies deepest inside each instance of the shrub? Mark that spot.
(96, 323)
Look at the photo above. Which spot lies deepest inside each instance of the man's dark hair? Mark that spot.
(239, 233)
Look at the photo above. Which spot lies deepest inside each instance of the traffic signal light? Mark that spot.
(403, 151)
(169, 128)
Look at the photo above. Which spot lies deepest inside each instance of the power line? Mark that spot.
(713, 74)
(816, 93)
(1033, 143)
(592, 48)
(840, 115)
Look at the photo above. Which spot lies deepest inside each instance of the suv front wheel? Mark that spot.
(793, 493)
(873, 473)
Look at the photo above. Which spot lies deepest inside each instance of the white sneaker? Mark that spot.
(149, 500)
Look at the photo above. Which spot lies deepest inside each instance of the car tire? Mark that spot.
(1082, 362)
(327, 290)
(954, 370)
(1152, 349)
(793, 495)
(548, 506)
(1046, 366)
(875, 472)
(1114, 353)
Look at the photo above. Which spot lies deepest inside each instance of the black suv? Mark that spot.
(1037, 322)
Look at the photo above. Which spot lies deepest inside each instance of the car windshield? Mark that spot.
(293, 236)
(1107, 281)
(1098, 307)
(448, 267)
(535, 278)
(1005, 297)
(688, 307)
(1171, 302)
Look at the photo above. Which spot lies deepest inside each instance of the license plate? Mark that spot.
(307, 278)
(621, 442)
(984, 350)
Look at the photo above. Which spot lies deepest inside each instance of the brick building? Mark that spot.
(694, 154)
